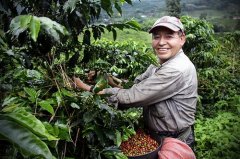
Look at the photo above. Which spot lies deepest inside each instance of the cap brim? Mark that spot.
(167, 25)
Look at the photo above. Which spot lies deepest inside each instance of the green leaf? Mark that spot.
(19, 24)
(67, 93)
(96, 32)
(53, 28)
(51, 129)
(129, 131)
(120, 156)
(118, 138)
(89, 116)
(117, 6)
(100, 134)
(34, 28)
(9, 104)
(87, 37)
(9, 100)
(34, 74)
(46, 106)
(63, 131)
(87, 130)
(26, 119)
(3, 41)
(125, 137)
(114, 152)
(86, 95)
(134, 24)
(57, 95)
(25, 20)
(32, 93)
(70, 5)
(29, 144)
(129, 1)
(114, 34)
(107, 6)
(74, 105)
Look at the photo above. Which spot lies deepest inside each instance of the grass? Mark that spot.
(129, 35)
(141, 37)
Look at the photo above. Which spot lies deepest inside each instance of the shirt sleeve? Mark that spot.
(163, 84)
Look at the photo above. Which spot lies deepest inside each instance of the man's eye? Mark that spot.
(169, 36)
(156, 37)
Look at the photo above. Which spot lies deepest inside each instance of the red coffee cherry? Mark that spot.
(139, 144)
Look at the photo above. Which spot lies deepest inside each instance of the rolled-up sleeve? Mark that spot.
(161, 85)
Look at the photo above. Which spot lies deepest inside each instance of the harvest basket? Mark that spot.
(141, 139)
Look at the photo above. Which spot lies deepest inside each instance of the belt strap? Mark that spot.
(184, 135)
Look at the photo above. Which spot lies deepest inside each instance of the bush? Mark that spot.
(218, 137)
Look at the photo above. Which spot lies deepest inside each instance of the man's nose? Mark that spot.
(161, 40)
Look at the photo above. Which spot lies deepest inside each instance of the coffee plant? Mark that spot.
(42, 115)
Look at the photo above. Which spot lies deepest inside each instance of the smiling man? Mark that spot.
(168, 92)
(167, 37)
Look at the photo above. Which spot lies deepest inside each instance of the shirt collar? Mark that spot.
(179, 52)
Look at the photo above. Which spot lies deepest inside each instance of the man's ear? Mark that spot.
(183, 39)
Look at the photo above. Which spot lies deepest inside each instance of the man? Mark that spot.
(167, 93)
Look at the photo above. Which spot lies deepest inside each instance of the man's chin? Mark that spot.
(163, 58)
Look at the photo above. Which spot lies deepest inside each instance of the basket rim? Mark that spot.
(158, 148)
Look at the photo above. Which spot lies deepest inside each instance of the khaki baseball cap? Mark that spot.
(170, 22)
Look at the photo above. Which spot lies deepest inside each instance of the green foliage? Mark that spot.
(36, 90)
(217, 78)
(200, 44)
(59, 18)
(219, 83)
(40, 108)
(100, 125)
(29, 144)
(126, 59)
(215, 57)
(218, 137)
(29, 121)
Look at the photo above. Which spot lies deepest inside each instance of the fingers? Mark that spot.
(112, 82)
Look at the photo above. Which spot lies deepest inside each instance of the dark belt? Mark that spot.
(182, 135)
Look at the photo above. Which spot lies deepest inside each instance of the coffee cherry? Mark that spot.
(139, 144)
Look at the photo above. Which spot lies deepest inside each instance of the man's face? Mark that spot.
(166, 43)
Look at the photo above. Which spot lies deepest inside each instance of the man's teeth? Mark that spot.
(162, 49)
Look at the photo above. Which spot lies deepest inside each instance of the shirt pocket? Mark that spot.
(159, 110)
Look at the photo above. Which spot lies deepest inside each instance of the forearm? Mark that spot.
(78, 83)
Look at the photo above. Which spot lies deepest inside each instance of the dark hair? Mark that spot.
(181, 33)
